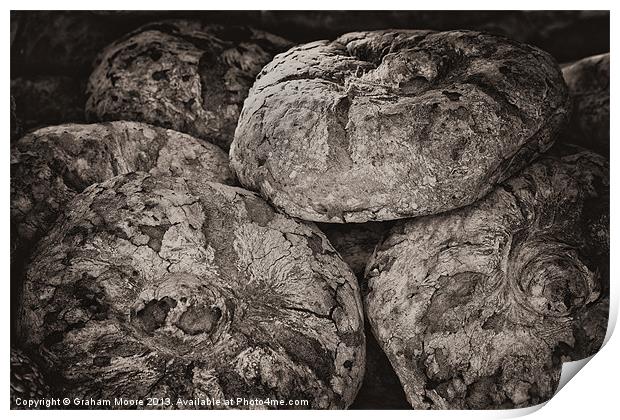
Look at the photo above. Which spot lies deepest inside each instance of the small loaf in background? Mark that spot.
(182, 75)
(588, 85)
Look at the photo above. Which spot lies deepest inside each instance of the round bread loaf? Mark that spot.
(393, 124)
(163, 287)
(588, 85)
(51, 165)
(478, 307)
(181, 75)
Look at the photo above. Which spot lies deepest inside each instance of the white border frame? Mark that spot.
(592, 395)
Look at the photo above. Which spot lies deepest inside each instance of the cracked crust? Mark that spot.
(588, 85)
(51, 165)
(182, 75)
(162, 287)
(392, 124)
(478, 307)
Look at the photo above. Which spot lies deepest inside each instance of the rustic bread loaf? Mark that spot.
(478, 307)
(53, 164)
(588, 85)
(393, 124)
(157, 286)
(182, 75)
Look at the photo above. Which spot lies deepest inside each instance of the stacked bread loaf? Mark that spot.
(402, 219)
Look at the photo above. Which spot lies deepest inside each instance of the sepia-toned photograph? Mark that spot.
(278, 209)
